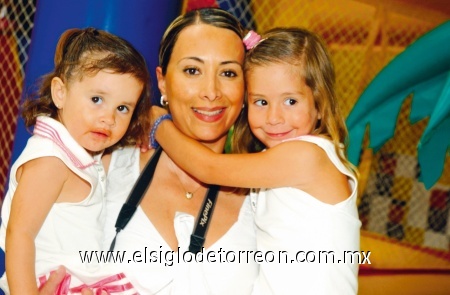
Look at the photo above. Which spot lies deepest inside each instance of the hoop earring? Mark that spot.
(163, 102)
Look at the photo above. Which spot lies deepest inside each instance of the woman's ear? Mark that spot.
(161, 80)
(58, 89)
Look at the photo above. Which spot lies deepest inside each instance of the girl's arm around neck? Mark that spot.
(39, 184)
(293, 163)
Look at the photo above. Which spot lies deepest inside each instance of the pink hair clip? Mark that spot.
(252, 39)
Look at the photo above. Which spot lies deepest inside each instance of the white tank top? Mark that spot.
(289, 219)
(69, 227)
(140, 236)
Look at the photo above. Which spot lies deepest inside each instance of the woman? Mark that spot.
(201, 79)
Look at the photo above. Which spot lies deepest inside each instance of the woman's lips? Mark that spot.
(209, 114)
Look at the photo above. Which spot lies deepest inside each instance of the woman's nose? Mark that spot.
(211, 88)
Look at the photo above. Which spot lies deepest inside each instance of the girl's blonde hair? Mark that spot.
(302, 48)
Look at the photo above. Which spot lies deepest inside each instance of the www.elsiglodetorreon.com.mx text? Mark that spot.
(169, 257)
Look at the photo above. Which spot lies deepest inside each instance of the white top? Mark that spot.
(289, 219)
(69, 227)
(141, 237)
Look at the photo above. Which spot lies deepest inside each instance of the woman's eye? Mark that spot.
(123, 109)
(230, 74)
(96, 99)
(290, 101)
(192, 71)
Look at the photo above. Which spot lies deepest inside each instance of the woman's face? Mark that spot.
(204, 82)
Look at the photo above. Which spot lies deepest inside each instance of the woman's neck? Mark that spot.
(216, 146)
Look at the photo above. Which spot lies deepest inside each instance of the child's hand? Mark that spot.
(51, 285)
(155, 113)
(144, 144)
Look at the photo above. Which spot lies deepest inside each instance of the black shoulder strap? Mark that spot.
(138, 192)
(136, 195)
(203, 219)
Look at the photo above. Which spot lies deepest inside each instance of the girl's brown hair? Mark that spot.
(87, 51)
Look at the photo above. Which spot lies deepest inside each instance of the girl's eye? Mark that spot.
(192, 71)
(96, 99)
(290, 101)
(229, 74)
(260, 102)
(123, 109)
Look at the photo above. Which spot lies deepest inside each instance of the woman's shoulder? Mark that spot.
(120, 159)
(125, 160)
(145, 157)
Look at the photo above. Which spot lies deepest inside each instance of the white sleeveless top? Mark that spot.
(289, 219)
(69, 227)
(167, 276)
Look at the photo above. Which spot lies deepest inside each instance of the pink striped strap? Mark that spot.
(110, 285)
(46, 130)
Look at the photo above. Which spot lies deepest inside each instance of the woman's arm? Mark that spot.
(39, 184)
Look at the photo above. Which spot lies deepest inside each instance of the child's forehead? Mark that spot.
(276, 78)
(297, 70)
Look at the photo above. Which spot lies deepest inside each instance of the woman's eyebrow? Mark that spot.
(194, 58)
(202, 61)
(231, 62)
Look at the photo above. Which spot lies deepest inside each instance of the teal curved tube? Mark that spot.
(422, 69)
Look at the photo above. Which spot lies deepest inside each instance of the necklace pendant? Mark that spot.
(189, 195)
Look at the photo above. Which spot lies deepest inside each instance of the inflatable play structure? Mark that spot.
(424, 78)
(423, 71)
